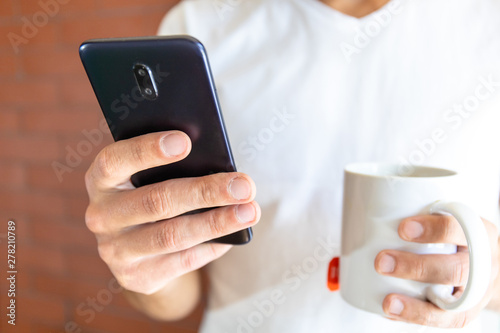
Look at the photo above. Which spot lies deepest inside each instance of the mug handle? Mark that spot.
(479, 259)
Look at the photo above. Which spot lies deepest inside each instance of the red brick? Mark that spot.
(72, 288)
(29, 148)
(5, 30)
(76, 31)
(24, 281)
(60, 121)
(52, 61)
(40, 308)
(87, 265)
(76, 205)
(28, 93)
(121, 303)
(61, 328)
(14, 203)
(21, 326)
(13, 176)
(78, 7)
(44, 177)
(21, 217)
(112, 323)
(31, 7)
(8, 64)
(40, 258)
(23, 229)
(65, 234)
(78, 154)
(107, 4)
(78, 91)
(14, 37)
(6, 8)
(46, 36)
(87, 152)
(9, 121)
(174, 328)
(43, 328)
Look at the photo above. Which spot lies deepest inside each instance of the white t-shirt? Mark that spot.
(305, 90)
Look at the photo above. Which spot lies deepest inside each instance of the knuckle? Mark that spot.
(106, 252)
(168, 237)
(428, 318)
(213, 222)
(127, 278)
(420, 269)
(461, 271)
(94, 220)
(189, 260)
(89, 180)
(106, 163)
(208, 193)
(446, 227)
(139, 149)
(156, 202)
(213, 253)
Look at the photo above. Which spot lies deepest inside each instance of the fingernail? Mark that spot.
(239, 188)
(245, 213)
(387, 264)
(413, 229)
(396, 307)
(173, 144)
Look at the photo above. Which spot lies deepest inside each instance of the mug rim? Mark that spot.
(372, 170)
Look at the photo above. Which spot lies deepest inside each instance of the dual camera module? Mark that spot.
(145, 81)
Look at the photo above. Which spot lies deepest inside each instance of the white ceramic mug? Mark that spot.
(376, 198)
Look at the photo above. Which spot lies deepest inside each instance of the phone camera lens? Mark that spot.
(145, 81)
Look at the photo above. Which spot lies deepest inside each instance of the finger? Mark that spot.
(432, 229)
(448, 269)
(408, 309)
(114, 165)
(182, 232)
(151, 274)
(169, 199)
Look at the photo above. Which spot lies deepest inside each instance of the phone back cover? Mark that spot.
(186, 101)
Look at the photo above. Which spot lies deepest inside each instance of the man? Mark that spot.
(308, 86)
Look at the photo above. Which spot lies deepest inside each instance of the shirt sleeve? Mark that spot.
(174, 22)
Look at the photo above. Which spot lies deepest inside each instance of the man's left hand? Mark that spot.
(448, 269)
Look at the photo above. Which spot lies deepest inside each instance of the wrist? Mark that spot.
(177, 299)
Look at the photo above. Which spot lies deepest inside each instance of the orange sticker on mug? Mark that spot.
(333, 274)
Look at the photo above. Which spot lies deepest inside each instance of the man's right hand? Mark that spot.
(140, 232)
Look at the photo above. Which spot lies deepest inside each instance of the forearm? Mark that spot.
(494, 304)
(175, 301)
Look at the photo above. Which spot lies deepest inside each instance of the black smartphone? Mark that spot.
(152, 84)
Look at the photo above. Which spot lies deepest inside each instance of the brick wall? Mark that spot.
(45, 104)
